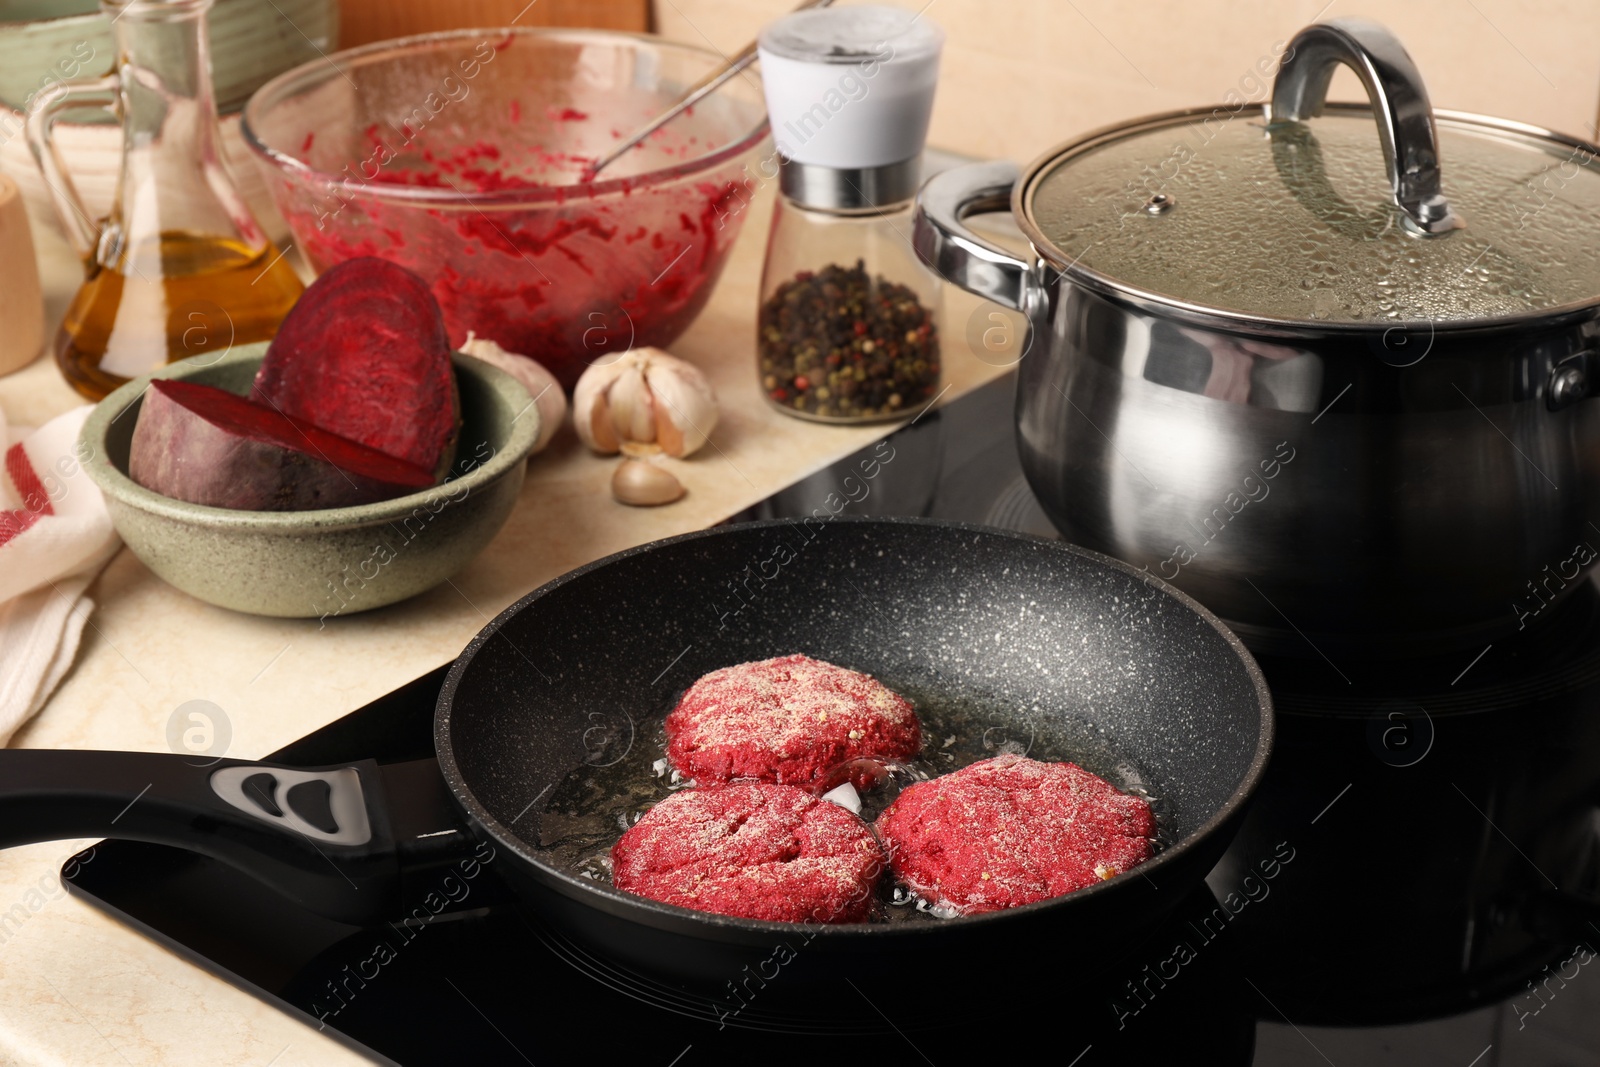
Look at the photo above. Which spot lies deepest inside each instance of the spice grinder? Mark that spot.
(848, 324)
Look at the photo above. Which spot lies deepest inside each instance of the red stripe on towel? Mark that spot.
(29, 487)
(35, 501)
(12, 523)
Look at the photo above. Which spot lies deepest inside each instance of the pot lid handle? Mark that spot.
(1399, 104)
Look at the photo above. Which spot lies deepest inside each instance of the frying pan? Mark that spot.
(1080, 650)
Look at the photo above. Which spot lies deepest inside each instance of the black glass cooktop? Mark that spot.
(1418, 881)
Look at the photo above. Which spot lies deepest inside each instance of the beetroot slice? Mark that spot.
(207, 446)
(364, 354)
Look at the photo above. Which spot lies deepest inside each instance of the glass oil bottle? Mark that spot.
(180, 267)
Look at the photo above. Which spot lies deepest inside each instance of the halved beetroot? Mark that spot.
(207, 446)
(364, 354)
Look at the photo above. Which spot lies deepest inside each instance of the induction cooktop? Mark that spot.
(1418, 881)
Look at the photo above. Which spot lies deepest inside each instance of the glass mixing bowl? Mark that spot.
(461, 155)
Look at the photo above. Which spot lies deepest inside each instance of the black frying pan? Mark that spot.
(1074, 649)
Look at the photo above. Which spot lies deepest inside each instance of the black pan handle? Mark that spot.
(321, 836)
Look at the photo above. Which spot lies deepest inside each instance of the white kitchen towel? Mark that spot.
(55, 535)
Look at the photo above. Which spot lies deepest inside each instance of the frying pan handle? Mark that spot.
(320, 836)
(1399, 103)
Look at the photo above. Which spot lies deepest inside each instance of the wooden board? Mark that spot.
(362, 21)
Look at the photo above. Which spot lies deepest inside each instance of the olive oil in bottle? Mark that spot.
(196, 294)
(180, 267)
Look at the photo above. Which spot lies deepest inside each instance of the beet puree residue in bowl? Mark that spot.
(463, 158)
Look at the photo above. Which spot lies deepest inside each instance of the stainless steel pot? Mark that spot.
(1400, 460)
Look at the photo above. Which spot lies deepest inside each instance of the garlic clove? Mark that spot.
(602, 436)
(643, 484)
(668, 436)
(633, 408)
(548, 398)
(686, 405)
(590, 410)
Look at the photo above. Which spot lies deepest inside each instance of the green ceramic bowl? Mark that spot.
(330, 562)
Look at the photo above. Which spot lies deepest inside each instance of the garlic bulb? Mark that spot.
(644, 397)
(548, 398)
(644, 484)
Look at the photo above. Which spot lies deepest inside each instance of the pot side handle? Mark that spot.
(320, 836)
(957, 254)
(1399, 104)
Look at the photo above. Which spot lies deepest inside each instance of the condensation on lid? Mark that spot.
(852, 34)
(1298, 224)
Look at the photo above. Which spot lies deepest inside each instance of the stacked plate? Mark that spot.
(47, 41)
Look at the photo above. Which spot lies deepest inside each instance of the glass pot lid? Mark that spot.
(1377, 215)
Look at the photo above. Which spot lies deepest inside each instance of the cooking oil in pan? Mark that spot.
(591, 808)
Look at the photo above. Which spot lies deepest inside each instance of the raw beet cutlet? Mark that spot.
(753, 850)
(1012, 830)
(792, 719)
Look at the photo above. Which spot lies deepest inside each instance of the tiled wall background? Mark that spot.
(1021, 75)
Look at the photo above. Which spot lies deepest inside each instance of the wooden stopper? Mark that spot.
(21, 301)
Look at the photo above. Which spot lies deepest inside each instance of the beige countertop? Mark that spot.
(78, 989)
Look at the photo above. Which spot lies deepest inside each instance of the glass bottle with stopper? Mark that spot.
(180, 267)
(848, 327)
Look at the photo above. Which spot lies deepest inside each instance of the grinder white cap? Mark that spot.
(851, 87)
